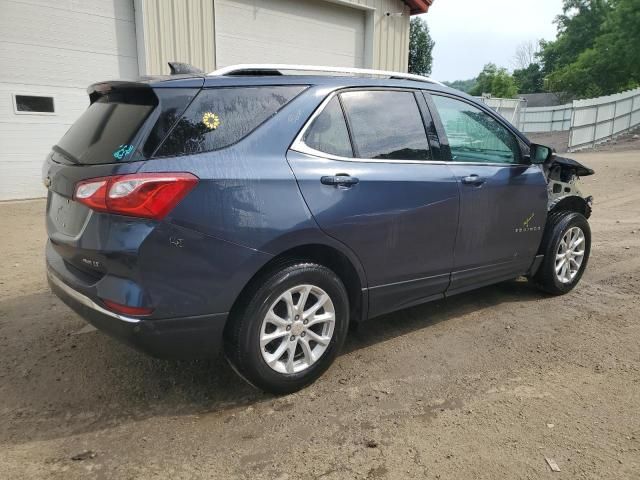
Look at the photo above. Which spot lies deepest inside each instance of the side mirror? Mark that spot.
(540, 153)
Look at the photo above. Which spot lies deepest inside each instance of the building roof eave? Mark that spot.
(418, 6)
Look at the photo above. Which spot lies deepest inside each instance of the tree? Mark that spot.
(578, 27)
(495, 81)
(529, 79)
(526, 54)
(528, 74)
(462, 85)
(420, 48)
(610, 61)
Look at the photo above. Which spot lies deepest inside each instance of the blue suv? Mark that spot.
(260, 212)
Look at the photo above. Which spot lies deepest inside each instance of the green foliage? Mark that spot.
(601, 61)
(420, 48)
(596, 52)
(462, 85)
(578, 27)
(530, 79)
(495, 81)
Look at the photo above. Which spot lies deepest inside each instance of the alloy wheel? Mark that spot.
(570, 255)
(297, 329)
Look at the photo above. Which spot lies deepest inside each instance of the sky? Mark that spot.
(472, 33)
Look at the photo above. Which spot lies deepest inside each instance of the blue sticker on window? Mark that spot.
(122, 151)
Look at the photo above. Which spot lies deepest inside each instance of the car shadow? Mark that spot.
(59, 378)
(426, 315)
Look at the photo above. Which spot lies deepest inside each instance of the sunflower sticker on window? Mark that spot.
(211, 120)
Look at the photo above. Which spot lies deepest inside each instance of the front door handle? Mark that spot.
(473, 179)
(341, 179)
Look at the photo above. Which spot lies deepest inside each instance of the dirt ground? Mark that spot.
(625, 142)
(560, 141)
(485, 385)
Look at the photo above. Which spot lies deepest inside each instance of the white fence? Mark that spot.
(509, 108)
(589, 122)
(600, 119)
(545, 119)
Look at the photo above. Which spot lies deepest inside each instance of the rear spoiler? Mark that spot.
(182, 75)
(100, 89)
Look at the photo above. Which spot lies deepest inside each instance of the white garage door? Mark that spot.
(53, 49)
(313, 32)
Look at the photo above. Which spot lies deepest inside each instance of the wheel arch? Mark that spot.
(573, 203)
(344, 265)
(545, 276)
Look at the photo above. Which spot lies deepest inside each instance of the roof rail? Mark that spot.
(276, 69)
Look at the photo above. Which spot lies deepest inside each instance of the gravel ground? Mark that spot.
(485, 385)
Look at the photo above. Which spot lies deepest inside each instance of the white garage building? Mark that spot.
(51, 50)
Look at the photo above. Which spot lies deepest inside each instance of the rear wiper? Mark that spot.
(66, 154)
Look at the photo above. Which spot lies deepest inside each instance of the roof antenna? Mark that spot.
(178, 68)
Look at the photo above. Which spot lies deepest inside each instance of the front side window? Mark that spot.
(219, 117)
(475, 136)
(328, 133)
(386, 125)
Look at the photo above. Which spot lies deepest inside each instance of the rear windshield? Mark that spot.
(104, 132)
(124, 125)
(220, 117)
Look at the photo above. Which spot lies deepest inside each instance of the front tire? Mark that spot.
(566, 246)
(291, 329)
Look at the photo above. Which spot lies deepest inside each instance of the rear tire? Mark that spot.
(566, 246)
(291, 328)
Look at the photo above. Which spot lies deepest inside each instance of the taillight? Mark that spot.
(147, 195)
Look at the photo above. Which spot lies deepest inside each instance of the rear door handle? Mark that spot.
(473, 179)
(340, 179)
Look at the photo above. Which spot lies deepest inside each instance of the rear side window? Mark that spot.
(173, 103)
(328, 133)
(220, 117)
(386, 125)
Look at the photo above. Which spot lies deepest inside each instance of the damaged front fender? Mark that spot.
(563, 177)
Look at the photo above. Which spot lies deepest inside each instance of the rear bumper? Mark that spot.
(177, 338)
